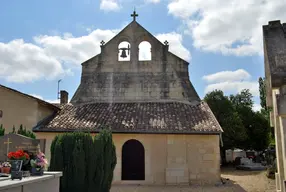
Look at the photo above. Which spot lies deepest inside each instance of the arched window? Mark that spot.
(145, 51)
(124, 51)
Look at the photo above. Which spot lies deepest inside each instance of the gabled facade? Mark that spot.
(106, 79)
(163, 132)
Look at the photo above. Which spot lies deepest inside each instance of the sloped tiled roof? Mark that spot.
(174, 117)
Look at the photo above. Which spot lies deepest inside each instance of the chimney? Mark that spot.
(64, 97)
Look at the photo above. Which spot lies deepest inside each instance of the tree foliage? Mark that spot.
(87, 163)
(262, 92)
(23, 131)
(234, 133)
(244, 98)
(2, 130)
(243, 127)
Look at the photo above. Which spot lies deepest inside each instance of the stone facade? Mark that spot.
(18, 108)
(105, 78)
(169, 159)
(151, 102)
(274, 38)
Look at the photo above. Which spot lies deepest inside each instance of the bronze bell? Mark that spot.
(123, 53)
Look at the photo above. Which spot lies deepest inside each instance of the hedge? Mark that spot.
(87, 164)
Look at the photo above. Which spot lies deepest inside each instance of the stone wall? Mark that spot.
(105, 79)
(169, 159)
(18, 109)
(49, 182)
(274, 39)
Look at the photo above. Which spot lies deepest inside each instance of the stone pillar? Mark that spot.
(277, 181)
(278, 143)
(279, 111)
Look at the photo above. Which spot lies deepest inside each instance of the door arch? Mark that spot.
(133, 160)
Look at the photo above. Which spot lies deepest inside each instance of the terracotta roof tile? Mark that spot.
(150, 117)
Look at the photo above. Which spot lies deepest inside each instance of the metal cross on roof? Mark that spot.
(134, 15)
(102, 43)
(166, 42)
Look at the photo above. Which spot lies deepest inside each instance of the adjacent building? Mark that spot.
(17, 108)
(274, 39)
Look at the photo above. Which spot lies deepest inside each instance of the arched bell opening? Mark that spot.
(145, 51)
(124, 50)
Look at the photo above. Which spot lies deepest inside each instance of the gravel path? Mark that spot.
(250, 181)
(238, 181)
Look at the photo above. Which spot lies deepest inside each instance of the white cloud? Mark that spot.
(70, 49)
(234, 87)
(175, 44)
(231, 82)
(152, 1)
(230, 27)
(50, 57)
(109, 5)
(222, 76)
(22, 62)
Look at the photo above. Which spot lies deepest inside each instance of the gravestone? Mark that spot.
(13, 142)
(247, 164)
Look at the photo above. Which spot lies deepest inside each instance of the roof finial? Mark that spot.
(134, 15)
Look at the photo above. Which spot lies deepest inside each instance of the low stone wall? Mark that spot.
(49, 182)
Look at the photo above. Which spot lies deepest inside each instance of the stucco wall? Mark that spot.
(169, 159)
(18, 109)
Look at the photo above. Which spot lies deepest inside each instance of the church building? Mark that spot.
(163, 132)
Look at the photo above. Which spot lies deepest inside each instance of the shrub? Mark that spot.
(2, 130)
(87, 164)
(106, 160)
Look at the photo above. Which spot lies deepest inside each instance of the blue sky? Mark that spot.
(43, 41)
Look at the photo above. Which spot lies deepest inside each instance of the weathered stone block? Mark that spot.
(208, 157)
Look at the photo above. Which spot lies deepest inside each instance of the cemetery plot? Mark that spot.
(13, 142)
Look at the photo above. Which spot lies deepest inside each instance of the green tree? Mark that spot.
(24, 132)
(260, 132)
(2, 130)
(13, 130)
(106, 160)
(265, 110)
(234, 134)
(262, 95)
(21, 130)
(79, 171)
(262, 92)
(244, 98)
(256, 126)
